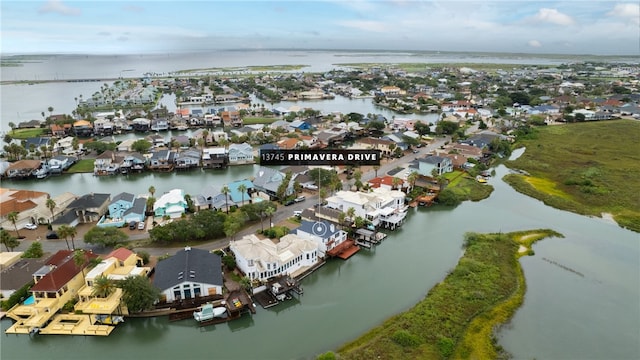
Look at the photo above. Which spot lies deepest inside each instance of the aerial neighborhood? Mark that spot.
(330, 212)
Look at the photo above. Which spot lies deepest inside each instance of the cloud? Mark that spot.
(56, 6)
(630, 12)
(553, 16)
(534, 43)
(366, 25)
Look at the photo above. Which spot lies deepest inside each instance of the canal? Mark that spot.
(589, 312)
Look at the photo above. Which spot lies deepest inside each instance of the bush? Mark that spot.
(16, 297)
(229, 262)
(405, 338)
(329, 355)
(446, 346)
(34, 251)
(144, 256)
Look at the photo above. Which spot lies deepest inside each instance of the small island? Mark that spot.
(458, 316)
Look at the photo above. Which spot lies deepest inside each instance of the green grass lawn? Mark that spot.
(458, 317)
(27, 133)
(259, 120)
(466, 187)
(588, 168)
(82, 166)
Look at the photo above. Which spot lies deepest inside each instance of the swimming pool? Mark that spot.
(30, 301)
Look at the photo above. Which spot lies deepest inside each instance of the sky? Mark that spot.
(139, 27)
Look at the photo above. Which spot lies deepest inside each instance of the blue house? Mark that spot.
(136, 212)
(300, 125)
(236, 195)
(120, 204)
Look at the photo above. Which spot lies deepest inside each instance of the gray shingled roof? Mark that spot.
(189, 264)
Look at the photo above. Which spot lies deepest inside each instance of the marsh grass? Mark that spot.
(588, 168)
(458, 317)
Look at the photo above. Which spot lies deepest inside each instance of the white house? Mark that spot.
(171, 203)
(325, 234)
(263, 259)
(382, 207)
(240, 154)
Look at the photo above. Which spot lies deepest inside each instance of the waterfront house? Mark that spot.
(103, 126)
(34, 143)
(60, 130)
(237, 196)
(481, 140)
(133, 162)
(64, 146)
(190, 273)
(289, 143)
(265, 259)
(187, 159)
(60, 163)
(382, 207)
(388, 182)
(211, 198)
(199, 134)
(159, 125)
(90, 207)
(267, 181)
(299, 125)
(16, 272)
(22, 169)
(107, 163)
(325, 234)
(429, 164)
(231, 118)
(24, 202)
(56, 283)
(116, 266)
(214, 157)
(141, 124)
(41, 214)
(82, 128)
(162, 160)
(170, 204)
(240, 154)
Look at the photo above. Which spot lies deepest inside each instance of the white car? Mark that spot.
(31, 226)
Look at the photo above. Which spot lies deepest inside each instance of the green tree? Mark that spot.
(64, 231)
(103, 287)
(108, 237)
(138, 293)
(142, 146)
(281, 192)
(446, 127)
(13, 217)
(243, 190)
(34, 251)
(9, 242)
(351, 213)
(12, 126)
(422, 128)
(233, 224)
(7, 138)
(225, 190)
(51, 205)
(80, 259)
(269, 212)
(152, 190)
(412, 178)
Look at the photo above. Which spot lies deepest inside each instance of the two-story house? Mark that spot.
(214, 158)
(431, 165)
(240, 154)
(170, 204)
(264, 259)
(380, 206)
(325, 234)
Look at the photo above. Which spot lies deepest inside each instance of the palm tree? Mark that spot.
(396, 183)
(9, 242)
(102, 287)
(152, 190)
(13, 217)
(79, 259)
(269, 212)
(376, 168)
(64, 232)
(341, 218)
(351, 213)
(412, 178)
(243, 190)
(225, 190)
(72, 234)
(51, 205)
(50, 109)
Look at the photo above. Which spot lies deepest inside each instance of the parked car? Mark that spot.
(52, 235)
(297, 213)
(132, 225)
(31, 226)
(289, 202)
(300, 199)
(141, 225)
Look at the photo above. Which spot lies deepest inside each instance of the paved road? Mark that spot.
(282, 213)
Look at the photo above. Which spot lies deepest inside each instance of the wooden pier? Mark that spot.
(344, 250)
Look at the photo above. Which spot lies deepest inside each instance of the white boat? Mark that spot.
(42, 172)
(208, 312)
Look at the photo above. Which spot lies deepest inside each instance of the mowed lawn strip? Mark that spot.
(588, 168)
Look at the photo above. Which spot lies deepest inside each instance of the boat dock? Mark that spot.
(75, 324)
(344, 250)
(278, 289)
